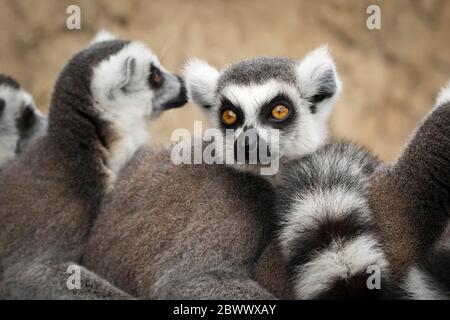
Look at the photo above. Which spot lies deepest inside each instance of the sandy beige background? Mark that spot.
(391, 76)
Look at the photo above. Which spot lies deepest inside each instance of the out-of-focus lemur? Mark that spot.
(49, 197)
(21, 122)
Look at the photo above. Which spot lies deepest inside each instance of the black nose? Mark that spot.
(180, 100)
(246, 147)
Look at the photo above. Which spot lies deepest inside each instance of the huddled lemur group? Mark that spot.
(86, 191)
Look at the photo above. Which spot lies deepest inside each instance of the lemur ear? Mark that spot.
(116, 77)
(444, 96)
(201, 82)
(129, 70)
(318, 79)
(103, 35)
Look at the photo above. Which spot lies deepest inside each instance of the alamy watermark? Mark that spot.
(250, 148)
(74, 280)
(73, 21)
(373, 22)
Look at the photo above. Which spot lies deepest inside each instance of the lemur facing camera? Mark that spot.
(21, 123)
(329, 233)
(50, 195)
(197, 231)
(256, 96)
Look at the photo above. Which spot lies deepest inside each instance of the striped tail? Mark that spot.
(327, 232)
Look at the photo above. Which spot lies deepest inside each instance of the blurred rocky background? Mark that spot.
(391, 76)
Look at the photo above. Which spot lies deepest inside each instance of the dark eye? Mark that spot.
(155, 78)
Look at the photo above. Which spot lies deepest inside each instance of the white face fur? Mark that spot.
(16, 105)
(308, 88)
(129, 89)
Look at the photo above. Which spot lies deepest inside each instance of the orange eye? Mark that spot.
(280, 112)
(229, 117)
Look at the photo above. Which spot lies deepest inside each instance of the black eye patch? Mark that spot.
(227, 105)
(2, 106)
(265, 114)
(26, 120)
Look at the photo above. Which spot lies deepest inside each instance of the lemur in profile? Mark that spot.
(50, 195)
(21, 122)
(197, 231)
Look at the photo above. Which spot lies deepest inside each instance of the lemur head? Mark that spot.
(292, 96)
(134, 77)
(20, 120)
(113, 87)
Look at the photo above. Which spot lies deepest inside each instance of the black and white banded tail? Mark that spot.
(327, 230)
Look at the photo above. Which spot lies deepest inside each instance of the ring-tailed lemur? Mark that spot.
(186, 247)
(328, 230)
(197, 231)
(49, 197)
(21, 123)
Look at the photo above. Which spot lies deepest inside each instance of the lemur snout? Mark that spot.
(248, 147)
(180, 100)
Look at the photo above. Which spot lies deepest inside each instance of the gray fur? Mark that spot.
(21, 123)
(411, 197)
(332, 185)
(407, 204)
(190, 231)
(48, 281)
(258, 71)
(182, 232)
(51, 194)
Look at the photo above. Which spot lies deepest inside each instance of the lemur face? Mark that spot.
(291, 97)
(20, 120)
(134, 82)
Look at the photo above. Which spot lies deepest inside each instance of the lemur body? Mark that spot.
(21, 123)
(197, 231)
(50, 195)
(171, 232)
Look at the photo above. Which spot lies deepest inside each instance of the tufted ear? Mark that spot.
(444, 96)
(201, 82)
(116, 76)
(103, 35)
(318, 79)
